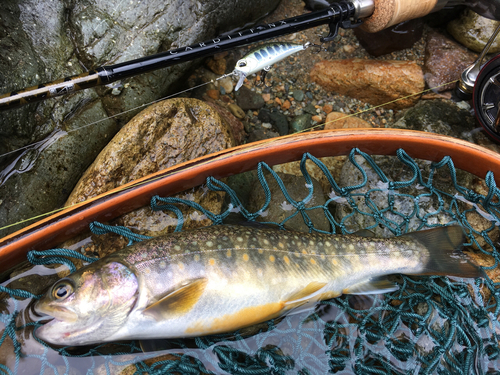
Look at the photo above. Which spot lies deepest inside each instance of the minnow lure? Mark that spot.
(263, 57)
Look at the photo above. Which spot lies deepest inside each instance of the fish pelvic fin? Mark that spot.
(445, 258)
(178, 302)
(379, 286)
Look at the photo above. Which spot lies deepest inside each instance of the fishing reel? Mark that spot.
(481, 82)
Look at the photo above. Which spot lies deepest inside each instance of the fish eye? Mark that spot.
(62, 290)
(242, 63)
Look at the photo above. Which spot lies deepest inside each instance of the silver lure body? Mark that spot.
(263, 57)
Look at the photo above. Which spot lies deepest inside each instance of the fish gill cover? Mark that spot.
(431, 325)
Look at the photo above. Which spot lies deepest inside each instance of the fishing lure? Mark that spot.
(263, 57)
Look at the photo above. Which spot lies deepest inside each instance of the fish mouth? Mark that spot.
(57, 312)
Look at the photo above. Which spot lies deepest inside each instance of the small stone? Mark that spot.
(222, 90)
(286, 104)
(279, 122)
(373, 81)
(217, 66)
(298, 95)
(267, 125)
(278, 101)
(327, 108)
(227, 84)
(214, 94)
(317, 118)
(247, 99)
(349, 48)
(236, 110)
(339, 120)
(266, 97)
(310, 109)
(300, 123)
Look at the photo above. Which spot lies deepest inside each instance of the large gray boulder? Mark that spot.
(46, 40)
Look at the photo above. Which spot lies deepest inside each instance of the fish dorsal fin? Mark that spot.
(364, 233)
(303, 295)
(179, 302)
(372, 287)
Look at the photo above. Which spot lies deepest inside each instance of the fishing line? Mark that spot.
(118, 114)
(134, 185)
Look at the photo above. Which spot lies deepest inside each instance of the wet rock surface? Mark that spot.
(339, 120)
(44, 41)
(473, 31)
(445, 61)
(376, 82)
(163, 135)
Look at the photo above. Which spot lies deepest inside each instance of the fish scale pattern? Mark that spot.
(431, 325)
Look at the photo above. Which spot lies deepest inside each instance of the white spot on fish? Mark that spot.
(177, 247)
(163, 264)
(239, 239)
(209, 243)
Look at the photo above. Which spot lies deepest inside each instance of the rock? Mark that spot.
(277, 119)
(298, 95)
(300, 123)
(327, 108)
(339, 120)
(473, 31)
(213, 94)
(45, 41)
(261, 133)
(438, 116)
(236, 125)
(445, 61)
(164, 134)
(236, 110)
(333, 163)
(247, 99)
(286, 104)
(395, 38)
(310, 109)
(279, 208)
(373, 81)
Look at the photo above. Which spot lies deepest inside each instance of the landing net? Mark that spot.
(431, 325)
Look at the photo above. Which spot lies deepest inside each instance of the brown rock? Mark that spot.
(236, 110)
(445, 60)
(286, 104)
(218, 66)
(317, 118)
(213, 94)
(373, 81)
(164, 134)
(327, 108)
(339, 120)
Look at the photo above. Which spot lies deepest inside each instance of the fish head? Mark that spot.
(89, 305)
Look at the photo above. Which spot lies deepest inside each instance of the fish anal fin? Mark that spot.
(179, 302)
(364, 233)
(303, 295)
(371, 287)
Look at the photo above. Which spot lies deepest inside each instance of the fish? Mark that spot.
(263, 57)
(223, 278)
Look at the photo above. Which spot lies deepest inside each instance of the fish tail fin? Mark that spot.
(445, 258)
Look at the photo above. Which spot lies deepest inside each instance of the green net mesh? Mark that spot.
(431, 325)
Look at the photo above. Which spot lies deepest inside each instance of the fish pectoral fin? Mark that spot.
(240, 81)
(178, 302)
(304, 295)
(372, 287)
(364, 233)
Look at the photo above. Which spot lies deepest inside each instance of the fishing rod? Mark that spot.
(375, 15)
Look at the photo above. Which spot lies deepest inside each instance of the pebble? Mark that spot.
(236, 110)
(339, 120)
(300, 123)
(266, 97)
(286, 104)
(214, 94)
(227, 84)
(317, 118)
(327, 108)
(298, 95)
(247, 99)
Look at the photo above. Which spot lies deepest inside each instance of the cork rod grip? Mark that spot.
(391, 12)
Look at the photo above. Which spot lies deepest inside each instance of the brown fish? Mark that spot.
(222, 278)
